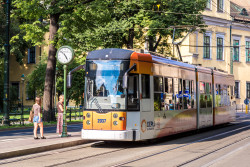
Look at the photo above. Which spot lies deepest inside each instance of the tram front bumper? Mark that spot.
(126, 135)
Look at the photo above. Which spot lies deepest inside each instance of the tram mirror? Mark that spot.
(69, 80)
(125, 81)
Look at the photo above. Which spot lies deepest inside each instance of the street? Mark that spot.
(220, 146)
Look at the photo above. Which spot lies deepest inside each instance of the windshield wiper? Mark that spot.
(94, 100)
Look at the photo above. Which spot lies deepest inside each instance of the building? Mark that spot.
(212, 48)
(18, 74)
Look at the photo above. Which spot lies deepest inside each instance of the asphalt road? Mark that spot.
(221, 146)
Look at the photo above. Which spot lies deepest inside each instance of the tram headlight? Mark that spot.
(88, 122)
(88, 115)
(115, 123)
(115, 115)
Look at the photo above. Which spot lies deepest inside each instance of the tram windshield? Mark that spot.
(104, 84)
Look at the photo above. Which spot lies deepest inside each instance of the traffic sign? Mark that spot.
(246, 101)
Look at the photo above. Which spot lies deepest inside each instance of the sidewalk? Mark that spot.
(22, 143)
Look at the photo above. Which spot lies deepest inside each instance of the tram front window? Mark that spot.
(104, 84)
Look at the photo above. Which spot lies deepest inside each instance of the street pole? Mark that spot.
(6, 103)
(55, 107)
(64, 133)
(22, 100)
(231, 51)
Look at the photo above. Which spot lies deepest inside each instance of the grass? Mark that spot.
(31, 124)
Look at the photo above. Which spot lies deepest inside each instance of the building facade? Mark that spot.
(224, 19)
(18, 75)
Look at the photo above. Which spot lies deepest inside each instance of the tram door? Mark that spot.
(146, 106)
(206, 110)
(145, 93)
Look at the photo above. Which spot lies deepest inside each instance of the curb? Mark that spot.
(16, 153)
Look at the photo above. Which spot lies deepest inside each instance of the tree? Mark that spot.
(37, 77)
(133, 21)
(89, 24)
(18, 44)
(52, 11)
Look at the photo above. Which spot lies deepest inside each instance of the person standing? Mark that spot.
(60, 115)
(37, 120)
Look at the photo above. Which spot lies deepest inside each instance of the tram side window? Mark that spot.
(187, 94)
(145, 81)
(202, 95)
(178, 94)
(192, 94)
(158, 94)
(168, 94)
(133, 94)
(209, 94)
(218, 95)
(225, 101)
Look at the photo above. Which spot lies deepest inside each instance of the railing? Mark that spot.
(242, 108)
(74, 112)
(16, 116)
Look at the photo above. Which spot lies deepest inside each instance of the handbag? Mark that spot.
(31, 115)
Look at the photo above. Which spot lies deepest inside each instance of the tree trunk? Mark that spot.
(151, 42)
(50, 70)
(157, 43)
(130, 42)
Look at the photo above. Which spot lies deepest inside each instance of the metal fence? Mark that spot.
(242, 108)
(16, 116)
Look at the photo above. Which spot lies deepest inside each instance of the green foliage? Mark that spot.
(89, 25)
(76, 91)
(108, 23)
(37, 78)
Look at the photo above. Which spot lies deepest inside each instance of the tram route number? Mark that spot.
(101, 120)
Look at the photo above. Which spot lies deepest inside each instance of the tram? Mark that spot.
(131, 96)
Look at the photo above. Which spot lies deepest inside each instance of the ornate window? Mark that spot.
(236, 49)
(237, 89)
(248, 90)
(247, 51)
(208, 4)
(32, 55)
(220, 5)
(207, 44)
(219, 48)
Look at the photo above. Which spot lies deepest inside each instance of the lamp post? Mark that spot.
(6, 102)
(22, 79)
(55, 92)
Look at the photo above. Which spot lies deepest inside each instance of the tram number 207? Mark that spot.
(101, 120)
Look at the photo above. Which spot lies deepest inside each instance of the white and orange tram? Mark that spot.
(134, 96)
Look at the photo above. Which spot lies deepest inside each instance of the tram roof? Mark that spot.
(123, 54)
(110, 54)
(163, 60)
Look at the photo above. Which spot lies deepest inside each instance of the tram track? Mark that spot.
(150, 154)
(188, 144)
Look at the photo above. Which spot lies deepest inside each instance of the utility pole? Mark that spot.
(6, 102)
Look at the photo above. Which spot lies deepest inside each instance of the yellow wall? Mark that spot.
(16, 70)
(212, 12)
